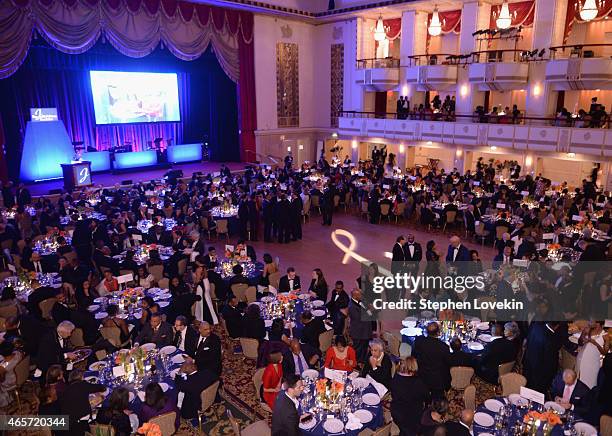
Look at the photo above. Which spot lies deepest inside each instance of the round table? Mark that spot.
(271, 308)
(133, 312)
(251, 270)
(22, 287)
(48, 246)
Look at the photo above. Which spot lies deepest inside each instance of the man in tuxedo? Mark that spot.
(338, 307)
(191, 381)
(157, 331)
(470, 219)
(60, 310)
(36, 264)
(541, 359)
(38, 295)
(570, 392)
(185, 337)
(501, 350)
(299, 358)
(233, 317)
(55, 347)
(23, 195)
(433, 357)
(197, 243)
(238, 277)
(398, 255)
(458, 356)
(208, 350)
(25, 329)
(250, 251)
(505, 258)
(360, 326)
(463, 427)
(157, 235)
(210, 260)
(289, 282)
(102, 257)
(413, 253)
(74, 401)
(457, 252)
(285, 419)
(313, 327)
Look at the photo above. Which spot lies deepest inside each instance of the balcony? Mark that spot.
(498, 70)
(425, 72)
(537, 134)
(582, 69)
(378, 74)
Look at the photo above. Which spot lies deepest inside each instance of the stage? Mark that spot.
(141, 175)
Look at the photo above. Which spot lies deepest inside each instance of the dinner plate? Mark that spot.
(311, 374)
(361, 382)
(163, 303)
(267, 323)
(333, 425)
(486, 434)
(178, 359)
(100, 300)
(318, 313)
(364, 416)
(267, 299)
(93, 307)
(101, 315)
(168, 349)
(303, 296)
(475, 346)
(493, 405)
(97, 366)
(138, 315)
(308, 425)
(164, 296)
(149, 346)
(483, 326)
(411, 331)
(371, 399)
(91, 379)
(164, 386)
(411, 321)
(484, 419)
(517, 400)
(585, 429)
(318, 303)
(122, 316)
(485, 337)
(427, 314)
(554, 406)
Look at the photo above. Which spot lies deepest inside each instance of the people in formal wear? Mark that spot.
(398, 255)
(571, 393)
(433, 357)
(289, 282)
(55, 347)
(272, 379)
(156, 403)
(208, 350)
(500, 350)
(541, 359)
(592, 347)
(253, 325)
(156, 331)
(191, 381)
(8, 379)
(285, 419)
(204, 308)
(463, 427)
(112, 320)
(459, 357)
(433, 417)
(185, 337)
(337, 307)
(318, 288)
(299, 358)
(74, 402)
(378, 364)
(413, 254)
(457, 252)
(505, 258)
(409, 394)
(117, 413)
(360, 326)
(313, 327)
(232, 316)
(340, 355)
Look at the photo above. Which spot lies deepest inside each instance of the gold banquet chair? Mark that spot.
(469, 397)
(258, 428)
(512, 383)
(165, 422)
(249, 347)
(461, 377)
(257, 383)
(207, 396)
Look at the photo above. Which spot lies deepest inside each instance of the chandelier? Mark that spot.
(588, 10)
(504, 20)
(435, 26)
(380, 31)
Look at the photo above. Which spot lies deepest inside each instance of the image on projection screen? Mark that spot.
(130, 97)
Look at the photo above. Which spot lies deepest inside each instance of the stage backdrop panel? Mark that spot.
(45, 148)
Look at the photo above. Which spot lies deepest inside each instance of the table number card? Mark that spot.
(137, 237)
(149, 193)
(334, 374)
(229, 248)
(119, 371)
(523, 263)
(386, 186)
(525, 193)
(12, 268)
(608, 324)
(501, 206)
(576, 218)
(476, 183)
(532, 395)
(548, 236)
(150, 211)
(125, 278)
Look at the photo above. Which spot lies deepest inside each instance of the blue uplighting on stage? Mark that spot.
(135, 159)
(100, 160)
(45, 147)
(184, 153)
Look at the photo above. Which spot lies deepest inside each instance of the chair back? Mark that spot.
(70, 256)
(487, 314)
(461, 376)
(500, 230)
(222, 227)
(101, 430)
(306, 206)
(22, 371)
(163, 283)
(8, 311)
(239, 290)
(250, 347)
(111, 334)
(336, 200)
(274, 279)
(505, 368)
(604, 227)
(251, 294)
(399, 210)
(20, 246)
(393, 343)
(511, 383)
(182, 267)
(325, 340)
(384, 430)
(479, 229)
(76, 338)
(233, 423)
(364, 207)
(165, 422)
(315, 201)
(469, 397)
(605, 425)
(258, 382)
(568, 360)
(45, 307)
(157, 271)
(450, 216)
(384, 209)
(208, 396)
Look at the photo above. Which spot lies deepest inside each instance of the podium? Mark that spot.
(76, 174)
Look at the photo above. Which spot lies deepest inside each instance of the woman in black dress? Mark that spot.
(116, 413)
(318, 286)
(409, 393)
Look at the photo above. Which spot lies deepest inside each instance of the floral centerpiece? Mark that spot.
(552, 247)
(535, 419)
(149, 429)
(328, 393)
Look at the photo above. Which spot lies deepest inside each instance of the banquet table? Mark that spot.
(132, 313)
(141, 253)
(145, 225)
(90, 214)
(271, 309)
(48, 245)
(229, 213)
(251, 270)
(22, 284)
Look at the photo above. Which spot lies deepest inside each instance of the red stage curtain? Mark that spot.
(395, 28)
(246, 89)
(451, 21)
(573, 15)
(522, 14)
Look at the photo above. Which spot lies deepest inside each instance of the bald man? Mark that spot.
(570, 392)
(464, 426)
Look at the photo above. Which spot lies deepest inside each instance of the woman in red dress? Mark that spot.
(340, 355)
(272, 378)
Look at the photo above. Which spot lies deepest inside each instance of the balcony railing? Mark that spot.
(436, 59)
(578, 51)
(366, 64)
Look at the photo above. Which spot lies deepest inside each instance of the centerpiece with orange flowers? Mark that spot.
(552, 247)
(149, 429)
(535, 419)
(328, 393)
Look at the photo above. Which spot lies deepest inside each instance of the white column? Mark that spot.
(353, 99)
(413, 42)
(475, 16)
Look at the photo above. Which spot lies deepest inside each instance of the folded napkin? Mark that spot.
(353, 422)
(380, 388)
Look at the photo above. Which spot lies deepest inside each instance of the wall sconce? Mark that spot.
(334, 135)
(402, 149)
(570, 154)
(493, 148)
(289, 148)
(459, 153)
(528, 161)
(354, 145)
(463, 91)
(300, 147)
(536, 90)
(405, 90)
